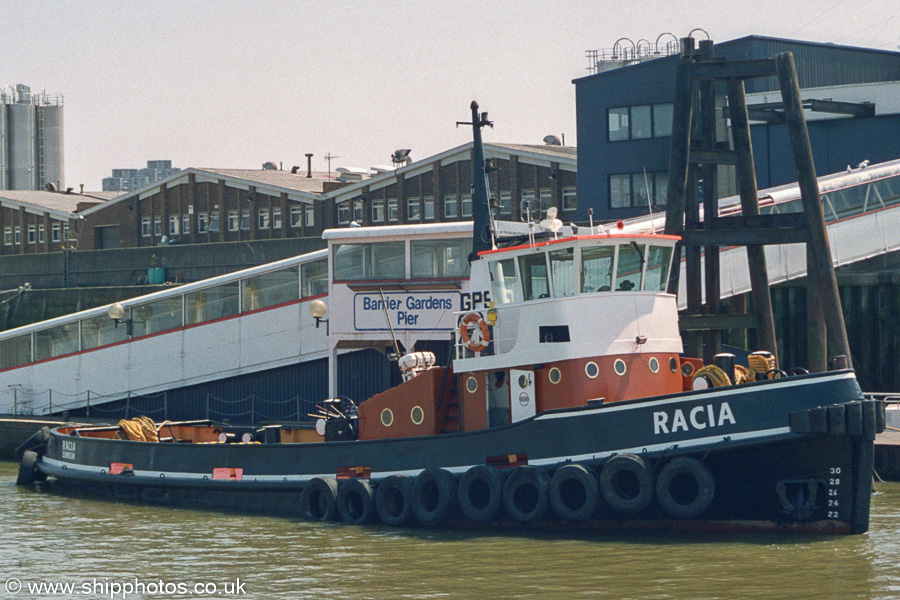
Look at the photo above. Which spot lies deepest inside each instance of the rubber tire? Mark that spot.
(318, 500)
(356, 501)
(525, 496)
(618, 497)
(433, 497)
(574, 493)
(28, 472)
(37, 442)
(480, 494)
(685, 467)
(393, 500)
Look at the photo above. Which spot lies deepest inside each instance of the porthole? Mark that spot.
(417, 415)
(687, 369)
(592, 370)
(555, 375)
(471, 385)
(619, 367)
(387, 417)
(673, 364)
(523, 381)
(654, 365)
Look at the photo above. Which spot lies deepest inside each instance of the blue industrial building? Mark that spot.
(624, 119)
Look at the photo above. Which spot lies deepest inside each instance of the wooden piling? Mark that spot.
(746, 176)
(822, 288)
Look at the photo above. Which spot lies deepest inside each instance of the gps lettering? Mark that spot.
(699, 417)
(475, 300)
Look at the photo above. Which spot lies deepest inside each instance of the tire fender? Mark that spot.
(685, 488)
(626, 482)
(525, 496)
(574, 493)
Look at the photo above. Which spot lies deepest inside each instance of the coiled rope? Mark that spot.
(761, 363)
(716, 376)
(140, 429)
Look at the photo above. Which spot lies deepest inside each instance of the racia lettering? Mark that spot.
(68, 450)
(699, 417)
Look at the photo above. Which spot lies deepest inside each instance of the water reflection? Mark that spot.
(58, 538)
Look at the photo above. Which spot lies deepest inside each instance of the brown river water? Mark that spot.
(115, 550)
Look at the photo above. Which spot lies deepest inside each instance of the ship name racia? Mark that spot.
(699, 417)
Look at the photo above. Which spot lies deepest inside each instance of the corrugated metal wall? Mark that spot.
(274, 395)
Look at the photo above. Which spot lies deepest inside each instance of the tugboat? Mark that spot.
(567, 400)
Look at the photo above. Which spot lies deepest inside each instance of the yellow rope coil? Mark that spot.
(139, 429)
(743, 375)
(717, 376)
(761, 363)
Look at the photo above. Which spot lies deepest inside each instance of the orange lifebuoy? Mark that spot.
(478, 321)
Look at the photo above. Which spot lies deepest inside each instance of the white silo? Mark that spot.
(31, 132)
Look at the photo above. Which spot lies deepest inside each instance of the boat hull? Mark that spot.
(789, 454)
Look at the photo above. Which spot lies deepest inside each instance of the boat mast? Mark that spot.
(483, 230)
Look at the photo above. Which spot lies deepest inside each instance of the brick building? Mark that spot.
(223, 205)
(34, 222)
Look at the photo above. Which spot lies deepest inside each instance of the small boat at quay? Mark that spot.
(566, 400)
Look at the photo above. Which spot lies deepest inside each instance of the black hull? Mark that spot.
(793, 454)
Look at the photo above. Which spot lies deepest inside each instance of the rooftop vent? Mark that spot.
(401, 156)
(552, 140)
(270, 166)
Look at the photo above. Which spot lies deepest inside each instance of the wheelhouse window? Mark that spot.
(597, 268)
(101, 330)
(504, 285)
(629, 267)
(562, 271)
(56, 341)
(656, 277)
(440, 258)
(379, 260)
(157, 316)
(212, 303)
(533, 271)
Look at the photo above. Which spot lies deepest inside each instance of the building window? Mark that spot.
(41, 236)
(309, 215)
(54, 230)
(428, 207)
(639, 122)
(392, 212)
(377, 211)
(546, 200)
(232, 220)
(505, 203)
(173, 224)
(451, 207)
(296, 216)
(638, 190)
(66, 232)
(245, 219)
(7, 236)
(157, 225)
(214, 221)
(358, 211)
(528, 207)
(276, 218)
(262, 219)
(413, 209)
(465, 205)
(186, 224)
(202, 222)
(18, 235)
(145, 228)
(343, 213)
(32, 234)
(570, 198)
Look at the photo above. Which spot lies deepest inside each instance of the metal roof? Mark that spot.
(59, 204)
(283, 179)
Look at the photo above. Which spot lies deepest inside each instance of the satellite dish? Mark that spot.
(270, 166)
(401, 156)
(552, 140)
(50, 187)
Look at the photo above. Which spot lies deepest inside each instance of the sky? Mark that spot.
(233, 84)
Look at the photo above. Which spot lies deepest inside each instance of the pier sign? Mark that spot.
(406, 310)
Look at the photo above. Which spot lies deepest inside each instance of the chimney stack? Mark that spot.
(309, 165)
